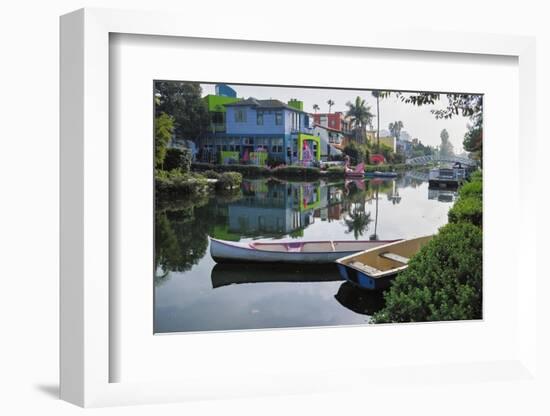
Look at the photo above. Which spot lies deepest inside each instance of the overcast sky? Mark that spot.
(418, 121)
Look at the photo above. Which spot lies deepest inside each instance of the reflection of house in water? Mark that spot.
(393, 195)
(332, 198)
(274, 208)
(442, 195)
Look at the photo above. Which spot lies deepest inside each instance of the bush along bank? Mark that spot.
(444, 280)
(175, 183)
(229, 181)
(291, 172)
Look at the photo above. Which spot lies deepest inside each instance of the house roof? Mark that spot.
(328, 128)
(264, 104)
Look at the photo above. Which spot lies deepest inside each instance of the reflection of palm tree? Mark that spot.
(358, 221)
(375, 235)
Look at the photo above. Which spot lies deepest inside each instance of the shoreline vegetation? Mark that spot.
(176, 175)
(444, 279)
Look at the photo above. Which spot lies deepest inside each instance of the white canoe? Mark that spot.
(307, 252)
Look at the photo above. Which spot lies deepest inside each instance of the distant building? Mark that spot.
(404, 147)
(335, 121)
(225, 90)
(385, 139)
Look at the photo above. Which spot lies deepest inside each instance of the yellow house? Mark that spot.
(385, 140)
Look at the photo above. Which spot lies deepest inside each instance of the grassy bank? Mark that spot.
(444, 280)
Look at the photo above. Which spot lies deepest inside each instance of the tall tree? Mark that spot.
(360, 116)
(330, 104)
(379, 94)
(164, 128)
(473, 139)
(316, 108)
(183, 101)
(446, 147)
(395, 129)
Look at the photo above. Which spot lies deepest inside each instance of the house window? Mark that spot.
(240, 116)
(259, 118)
(278, 118)
(217, 118)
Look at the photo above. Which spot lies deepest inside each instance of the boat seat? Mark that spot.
(365, 267)
(394, 257)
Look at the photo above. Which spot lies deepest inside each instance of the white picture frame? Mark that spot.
(85, 212)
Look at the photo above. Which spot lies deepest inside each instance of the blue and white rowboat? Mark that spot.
(375, 268)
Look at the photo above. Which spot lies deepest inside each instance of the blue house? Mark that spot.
(258, 130)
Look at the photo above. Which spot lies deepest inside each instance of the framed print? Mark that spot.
(260, 226)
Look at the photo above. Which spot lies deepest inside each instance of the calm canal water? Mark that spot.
(193, 293)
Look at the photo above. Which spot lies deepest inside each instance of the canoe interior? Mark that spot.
(385, 259)
(318, 247)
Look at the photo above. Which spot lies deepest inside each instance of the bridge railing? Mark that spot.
(423, 160)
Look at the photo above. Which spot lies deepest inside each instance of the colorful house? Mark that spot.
(256, 130)
(330, 141)
(336, 121)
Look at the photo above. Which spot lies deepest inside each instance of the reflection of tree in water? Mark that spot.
(357, 219)
(357, 222)
(181, 235)
(358, 300)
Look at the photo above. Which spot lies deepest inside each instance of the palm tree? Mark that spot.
(378, 94)
(316, 108)
(395, 129)
(330, 104)
(360, 116)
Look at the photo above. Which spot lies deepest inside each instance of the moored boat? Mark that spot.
(375, 268)
(304, 252)
(379, 174)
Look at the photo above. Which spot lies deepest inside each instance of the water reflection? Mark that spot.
(227, 274)
(189, 283)
(442, 195)
(359, 301)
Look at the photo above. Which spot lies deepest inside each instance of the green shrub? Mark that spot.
(336, 171)
(245, 170)
(476, 176)
(202, 166)
(471, 189)
(175, 183)
(469, 209)
(177, 159)
(442, 282)
(211, 174)
(229, 180)
(357, 153)
(296, 172)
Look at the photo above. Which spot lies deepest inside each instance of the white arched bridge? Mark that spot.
(426, 160)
